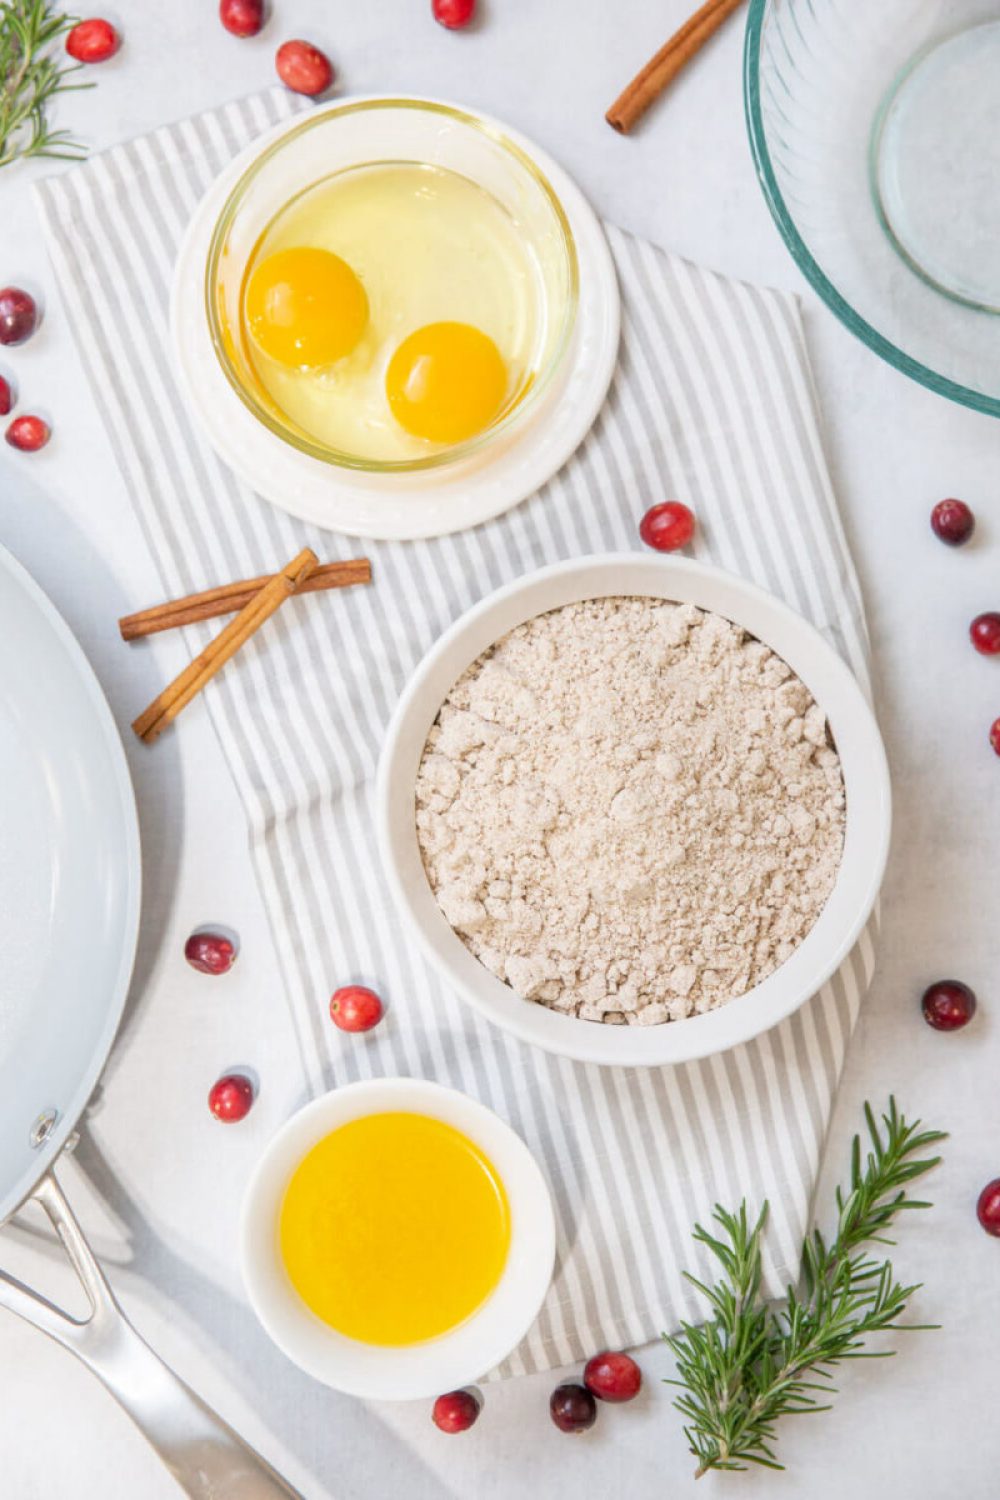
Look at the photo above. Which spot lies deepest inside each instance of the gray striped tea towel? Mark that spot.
(712, 403)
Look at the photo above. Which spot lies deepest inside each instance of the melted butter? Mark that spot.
(394, 1228)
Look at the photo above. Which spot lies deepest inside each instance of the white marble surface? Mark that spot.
(922, 1426)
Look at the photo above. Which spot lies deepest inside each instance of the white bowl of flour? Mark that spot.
(635, 809)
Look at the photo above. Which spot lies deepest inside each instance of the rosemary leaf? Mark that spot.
(32, 73)
(752, 1364)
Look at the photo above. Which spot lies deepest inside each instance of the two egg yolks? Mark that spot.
(305, 307)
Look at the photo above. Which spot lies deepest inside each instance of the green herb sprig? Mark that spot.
(31, 74)
(751, 1364)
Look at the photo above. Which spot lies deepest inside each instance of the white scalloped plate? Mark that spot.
(401, 507)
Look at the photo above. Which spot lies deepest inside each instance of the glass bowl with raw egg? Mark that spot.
(391, 285)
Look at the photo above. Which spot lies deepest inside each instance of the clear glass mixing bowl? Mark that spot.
(875, 128)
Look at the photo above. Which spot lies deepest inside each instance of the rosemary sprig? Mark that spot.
(31, 74)
(751, 1364)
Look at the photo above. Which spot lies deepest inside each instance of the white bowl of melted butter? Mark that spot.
(397, 1239)
(392, 285)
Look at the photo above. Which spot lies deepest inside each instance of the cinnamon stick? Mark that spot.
(164, 709)
(209, 604)
(675, 54)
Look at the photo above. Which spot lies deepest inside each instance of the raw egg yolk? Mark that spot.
(446, 382)
(305, 307)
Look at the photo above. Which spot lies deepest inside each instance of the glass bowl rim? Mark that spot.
(237, 195)
(802, 255)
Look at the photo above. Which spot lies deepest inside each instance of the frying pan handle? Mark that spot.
(202, 1452)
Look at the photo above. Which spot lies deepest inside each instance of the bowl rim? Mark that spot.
(802, 255)
(414, 1371)
(487, 126)
(814, 961)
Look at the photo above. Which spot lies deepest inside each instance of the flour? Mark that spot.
(630, 810)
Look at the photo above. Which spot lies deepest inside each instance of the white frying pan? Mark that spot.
(69, 886)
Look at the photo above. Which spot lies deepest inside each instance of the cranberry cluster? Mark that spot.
(609, 1376)
(949, 1005)
(18, 321)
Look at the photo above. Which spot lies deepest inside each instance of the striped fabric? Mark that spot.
(712, 402)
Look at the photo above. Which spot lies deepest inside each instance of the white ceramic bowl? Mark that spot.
(416, 1370)
(866, 778)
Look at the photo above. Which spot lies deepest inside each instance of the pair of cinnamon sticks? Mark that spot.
(255, 599)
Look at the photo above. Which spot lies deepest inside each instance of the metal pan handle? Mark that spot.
(202, 1452)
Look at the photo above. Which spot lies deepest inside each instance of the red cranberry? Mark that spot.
(984, 632)
(612, 1377)
(28, 433)
(953, 522)
(93, 41)
(355, 1008)
(995, 735)
(572, 1408)
(456, 1412)
(242, 17)
(988, 1207)
(453, 13)
(18, 315)
(6, 397)
(231, 1098)
(303, 68)
(667, 527)
(210, 951)
(948, 1005)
